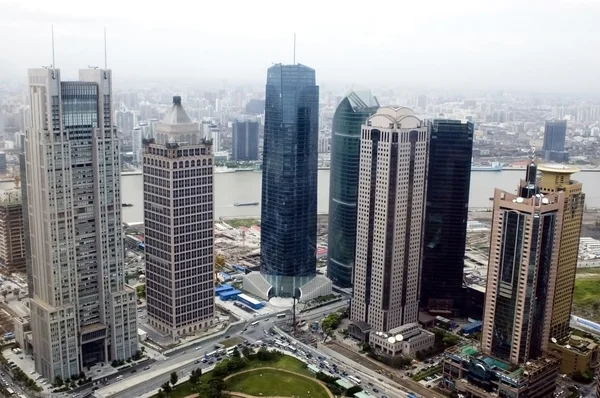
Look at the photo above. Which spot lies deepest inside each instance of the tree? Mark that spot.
(58, 381)
(161, 393)
(246, 352)
(174, 378)
(16, 291)
(216, 385)
(221, 369)
(352, 391)
(220, 260)
(167, 387)
(236, 353)
(195, 376)
(5, 293)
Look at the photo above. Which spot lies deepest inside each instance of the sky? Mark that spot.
(525, 45)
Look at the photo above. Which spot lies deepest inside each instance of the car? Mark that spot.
(197, 348)
(210, 362)
(267, 320)
(371, 384)
(204, 360)
(197, 361)
(228, 336)
(133, 370)
(147, 368)
(375, 390)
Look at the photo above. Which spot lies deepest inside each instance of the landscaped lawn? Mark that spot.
(231, 342)
(284, 362)
(269, 382)
(586, 298)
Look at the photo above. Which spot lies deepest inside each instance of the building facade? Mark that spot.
(348, 119)
(555, 133)
(289, 179)
(557, 178)
(245, 140)
(12, 234)
(448, 184)
(390, 215)
(179, 231)
(522, 272)
(81, 312)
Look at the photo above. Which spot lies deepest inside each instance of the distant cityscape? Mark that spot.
(400, 290)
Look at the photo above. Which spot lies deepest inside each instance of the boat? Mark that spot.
(126, 205)
(246, 204)
(494, 166)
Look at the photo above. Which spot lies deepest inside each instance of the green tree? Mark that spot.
(352, 391)
(216, 386)
(221, 369)
(58, 381)
(195, 376)
(246, 352)
(161, 393)
(174, 378)
(167, 387)
(236, 353)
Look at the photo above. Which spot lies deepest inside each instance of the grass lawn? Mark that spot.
(268, 382)
(594, 270)
(285, 362)
(586, 299)
(231, 342)
(242, 222)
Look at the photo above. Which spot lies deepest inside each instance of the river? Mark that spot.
(245, 187)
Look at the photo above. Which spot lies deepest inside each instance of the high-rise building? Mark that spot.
(555, 133)
(178, 221)
(522, 272)
(514, 359)
(12, 238)
(3, 165)
(390, 220)
(352, 112)
(245, 140)
(557, 178)
(81, 312)
(136, 144)
(448, 182)
(24, 209)
(289, 187)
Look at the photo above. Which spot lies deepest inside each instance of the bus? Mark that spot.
(10, 391)
(230, 351)
(354, 380)
(254, 324)
(280, 315)
(210, 354)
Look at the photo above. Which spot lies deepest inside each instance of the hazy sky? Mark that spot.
(549, 45)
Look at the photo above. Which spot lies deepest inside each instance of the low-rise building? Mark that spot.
(470, 373)
(578, 354)
(404, 340)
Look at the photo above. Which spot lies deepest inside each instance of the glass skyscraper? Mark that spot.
(448, 182)
(245, 140)
(555, 133)
(289, 179)
(348, 119)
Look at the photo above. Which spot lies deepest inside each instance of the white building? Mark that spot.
(81, 311)
(178, 220)
(391, 205)
(136, 144)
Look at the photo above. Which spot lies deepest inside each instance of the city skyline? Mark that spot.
(79, 36)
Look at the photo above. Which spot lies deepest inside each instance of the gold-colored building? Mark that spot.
(557, 178)
(578, 354)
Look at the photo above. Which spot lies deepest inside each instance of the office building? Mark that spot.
(245, 140)
(446, 213)
(514, 357)
(24, 208)
(350, 115)
(557, 178)
(323, 145)
(390, 215)
(136, 144)
(555, 133)
(522, 271)
(178, 220)
(289, 187)
(3, 165)
(82, 313)
(12, 238)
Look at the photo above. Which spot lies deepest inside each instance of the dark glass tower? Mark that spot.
(245, 140)
(289, 178)
(348, 119)
(448, 182)
(555, 133)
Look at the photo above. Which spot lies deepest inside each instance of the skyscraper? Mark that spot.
(391, 206)
(81, 312)
(522, 272)
(448, 182)
(348, 119)
(289, 184)
(555, 133)
(557, 178)
(245, 140)
(178, 220)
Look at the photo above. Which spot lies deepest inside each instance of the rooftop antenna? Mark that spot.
(105, 57)
(294, 49)
(53, 62)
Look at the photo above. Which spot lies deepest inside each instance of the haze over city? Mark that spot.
(544, 46)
